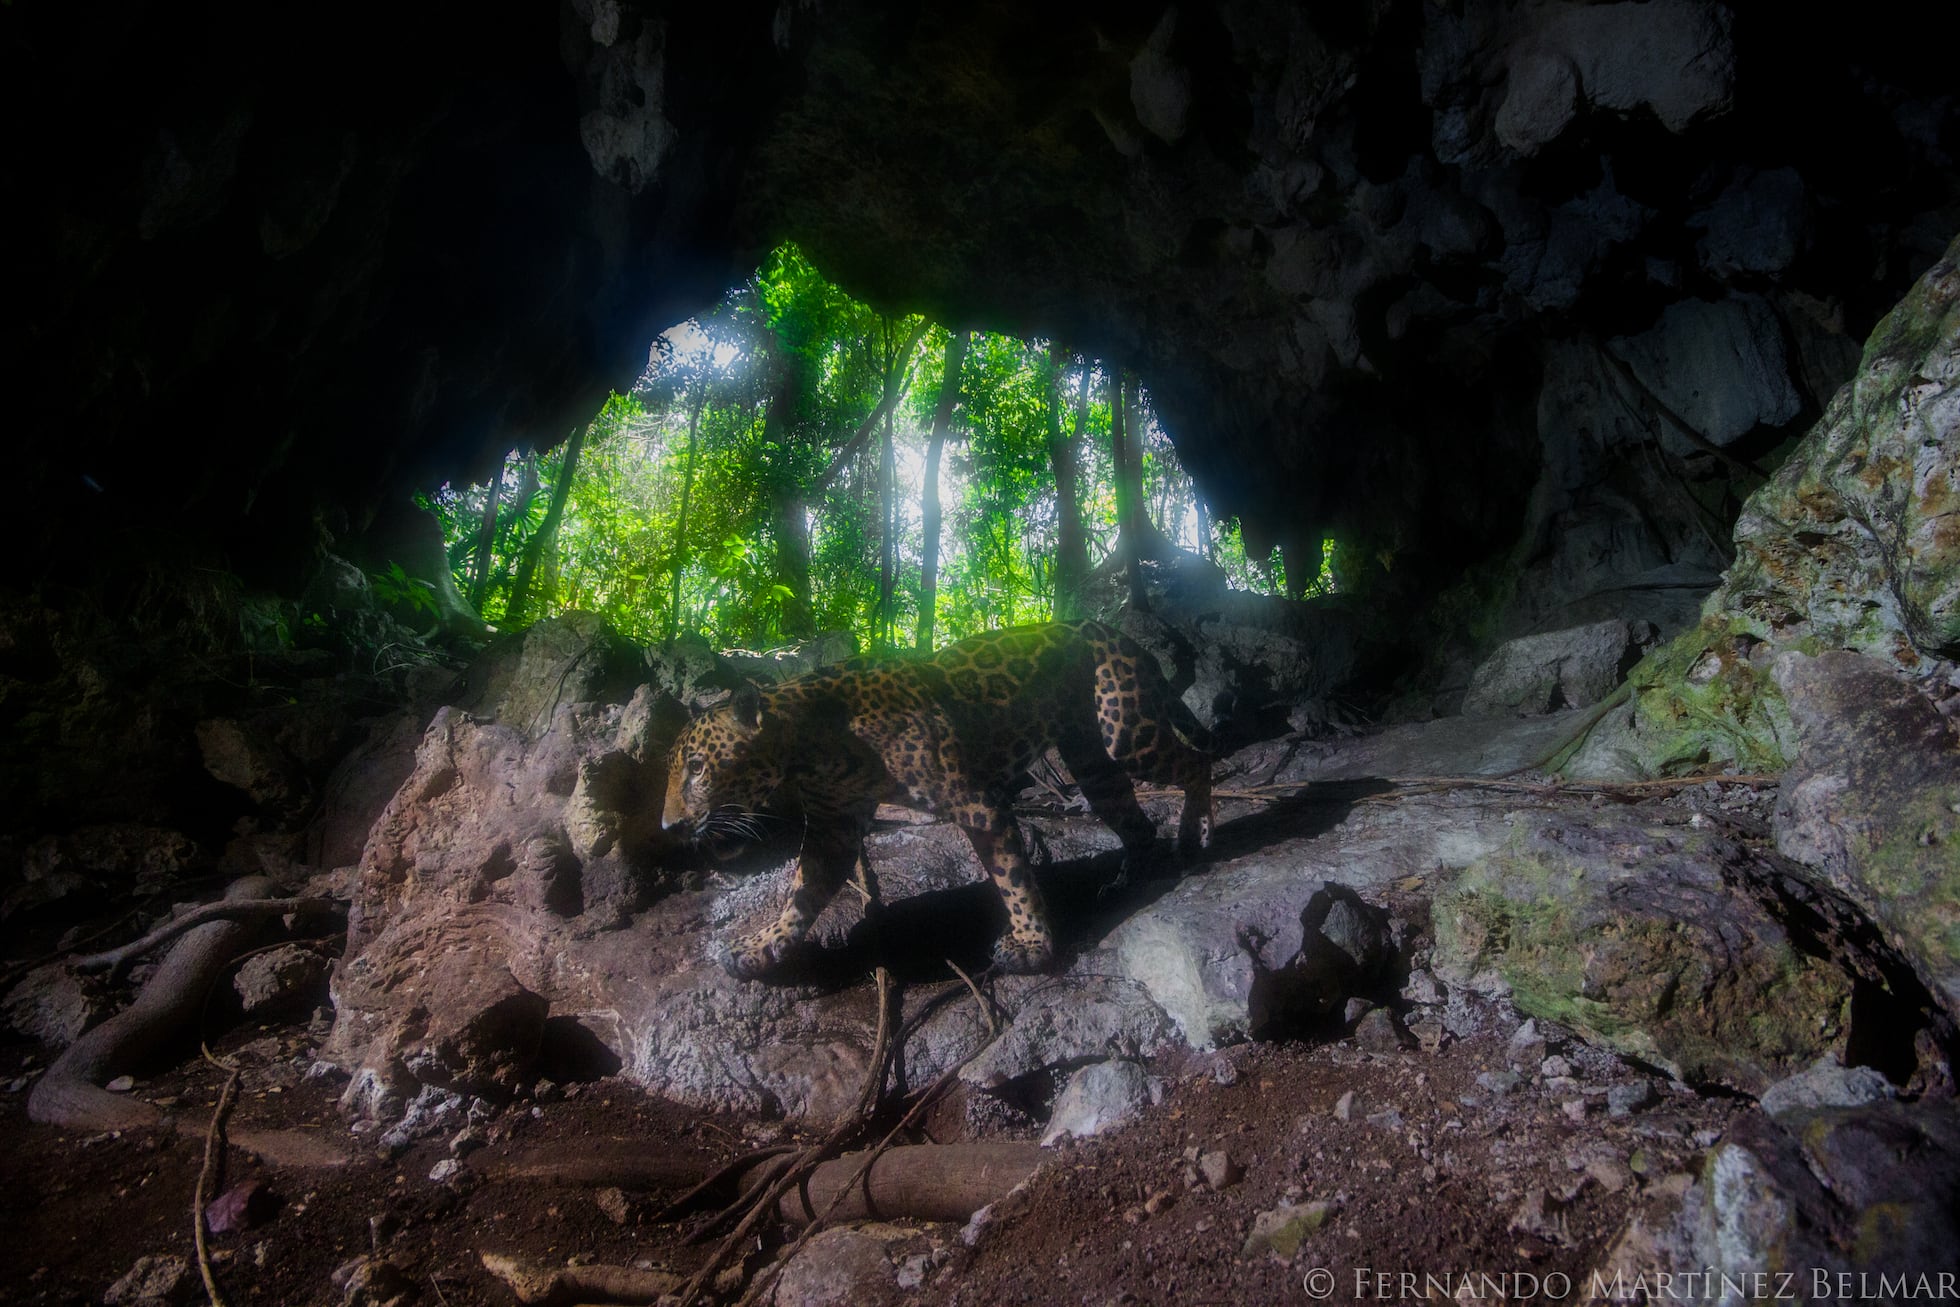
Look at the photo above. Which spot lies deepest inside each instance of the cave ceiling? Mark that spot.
(272, 275)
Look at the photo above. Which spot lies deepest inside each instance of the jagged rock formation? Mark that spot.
(1436, 279)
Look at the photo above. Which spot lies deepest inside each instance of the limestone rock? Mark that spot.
(1631, 934)
(1283, 1229)
(1850, 543)
(1674, 58)
(1720, 365)
(1846, 546)
(244, 756)
(844, 1267)
(54, 1005)
(1289, 933)
(1084, 1019)
(1447, 746)
(1825, 1193)
(1872, 800)
(1099, 1097)
(1573, 668)
(1826, 1084)
(523, 680)
(153, 1282)
(281, 977)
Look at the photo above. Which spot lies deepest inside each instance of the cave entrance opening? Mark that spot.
(792, 461)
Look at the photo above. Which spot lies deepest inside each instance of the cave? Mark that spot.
(1580, 896)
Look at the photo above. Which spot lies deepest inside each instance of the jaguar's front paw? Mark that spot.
(757, 955)
(1024, 955)
(1194, 832)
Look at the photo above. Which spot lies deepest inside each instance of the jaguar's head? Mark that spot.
(722, 772)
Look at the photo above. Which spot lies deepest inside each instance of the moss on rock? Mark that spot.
(1631, 934)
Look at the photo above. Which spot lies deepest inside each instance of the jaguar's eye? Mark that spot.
(696, 765)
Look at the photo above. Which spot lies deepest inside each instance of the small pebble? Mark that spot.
(1344, 1107)
(121, 1084)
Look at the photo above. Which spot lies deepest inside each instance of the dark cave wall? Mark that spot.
(274, 271)
(1445, 281)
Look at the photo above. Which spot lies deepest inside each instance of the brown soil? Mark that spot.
(1114, 1220)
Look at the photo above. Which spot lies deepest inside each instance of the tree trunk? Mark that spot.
(547, 536)
(1064, 452)
(1127, 465)
(894, 391)
(942, 417)
(1301, 559)
(527, 490)
(788, 516)
(680, 524)
(486, 539)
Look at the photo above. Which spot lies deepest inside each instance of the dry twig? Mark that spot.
(925, 1099)
(761, 1201)
(214, 1152)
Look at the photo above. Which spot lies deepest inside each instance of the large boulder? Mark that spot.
(1573, 668)
(1872, 801)
(1824, 1206)
(1675, 945)
(1852, 544)
(1280, 937)
(1849, 545)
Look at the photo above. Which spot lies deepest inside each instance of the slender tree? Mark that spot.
(486, 539)
(544, 543)
(687, 491)
(1064, 455)
(929, 514)
(788, 516)
(1126, 465)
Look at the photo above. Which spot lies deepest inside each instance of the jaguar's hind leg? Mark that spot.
(1191, 772)
(830, 851)
(1110, 795)
(1129, 698)
(1029, 944)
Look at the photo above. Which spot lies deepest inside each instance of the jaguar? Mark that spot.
(955, 733)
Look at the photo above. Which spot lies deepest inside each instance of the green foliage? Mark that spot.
(752, 414)
(397, 589)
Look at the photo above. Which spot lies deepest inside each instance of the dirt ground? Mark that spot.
(1423, 1170)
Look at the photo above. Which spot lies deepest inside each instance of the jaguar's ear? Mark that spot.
(746, 704)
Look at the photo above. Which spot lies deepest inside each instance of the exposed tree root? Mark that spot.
(114, 960)
(166, 1010)
(757, 1206)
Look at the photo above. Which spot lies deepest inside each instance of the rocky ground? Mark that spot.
(1395, 1115)
(1507, 1154)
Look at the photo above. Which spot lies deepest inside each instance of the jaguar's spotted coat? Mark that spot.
(955, 734)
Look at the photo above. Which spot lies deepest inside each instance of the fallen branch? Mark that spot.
(923, 1179)
(625, 1164)
(916, 1182)
(557, 1286)
(928, 1182)
(1410, 786)
(114, 960)
(214, 1151)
